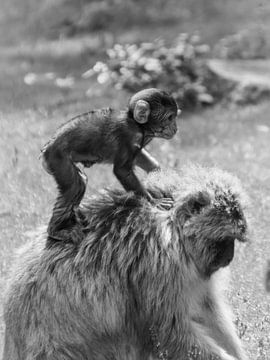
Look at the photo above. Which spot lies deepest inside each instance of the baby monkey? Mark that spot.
(107, 136)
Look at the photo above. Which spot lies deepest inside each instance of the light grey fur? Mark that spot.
(137, 268)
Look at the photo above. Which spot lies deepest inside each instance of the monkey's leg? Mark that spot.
(71, 183)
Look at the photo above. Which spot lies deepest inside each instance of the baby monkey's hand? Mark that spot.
(165, 203)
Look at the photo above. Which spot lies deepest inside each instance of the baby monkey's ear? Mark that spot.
(141, 111)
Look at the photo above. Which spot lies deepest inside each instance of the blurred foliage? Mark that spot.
(251, 43)
(51, 19)
(72, 17)
(179, 68)
(101, 15)
(214, 18)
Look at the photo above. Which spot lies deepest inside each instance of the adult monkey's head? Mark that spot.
(212, 220)
(156, 111)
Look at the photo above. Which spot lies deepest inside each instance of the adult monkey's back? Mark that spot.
(140, 284)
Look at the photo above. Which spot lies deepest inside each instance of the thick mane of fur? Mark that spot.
(193, 179)
(125, 276)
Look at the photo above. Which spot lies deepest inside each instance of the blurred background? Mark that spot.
(59, 58)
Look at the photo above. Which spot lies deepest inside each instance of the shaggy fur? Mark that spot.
(142, 283)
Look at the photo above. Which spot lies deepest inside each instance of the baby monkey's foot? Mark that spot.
(74, 235)
(81, 218)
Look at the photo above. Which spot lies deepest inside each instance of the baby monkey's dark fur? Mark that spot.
(142, 284)
(106, 136)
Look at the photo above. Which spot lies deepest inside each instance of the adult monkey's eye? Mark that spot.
(170, 117)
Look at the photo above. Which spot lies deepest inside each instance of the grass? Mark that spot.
(233, 138)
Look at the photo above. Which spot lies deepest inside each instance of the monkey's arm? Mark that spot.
(130, 182)
(218, 319)
(146, 161)
(123, 170)
(204, 345)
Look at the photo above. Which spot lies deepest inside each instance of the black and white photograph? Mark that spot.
(135, 180)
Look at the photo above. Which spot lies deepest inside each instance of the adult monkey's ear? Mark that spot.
(141, 111)
(192, 205)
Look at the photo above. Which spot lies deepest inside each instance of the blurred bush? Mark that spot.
(104, 14)
(179, 68)
(71, 17)
(250, 43)
(214, 18)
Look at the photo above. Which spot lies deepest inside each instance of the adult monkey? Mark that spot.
(107, 136)
(143, 284)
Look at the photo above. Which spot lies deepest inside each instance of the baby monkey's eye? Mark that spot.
(170, 117)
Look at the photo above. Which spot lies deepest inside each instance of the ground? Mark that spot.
(233, 138)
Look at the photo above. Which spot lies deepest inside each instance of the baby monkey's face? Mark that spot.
(162, 121)
(166, 127)
(156, 110)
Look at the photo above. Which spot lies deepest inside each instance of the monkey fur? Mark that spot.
(106, 136)
(142, 284)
